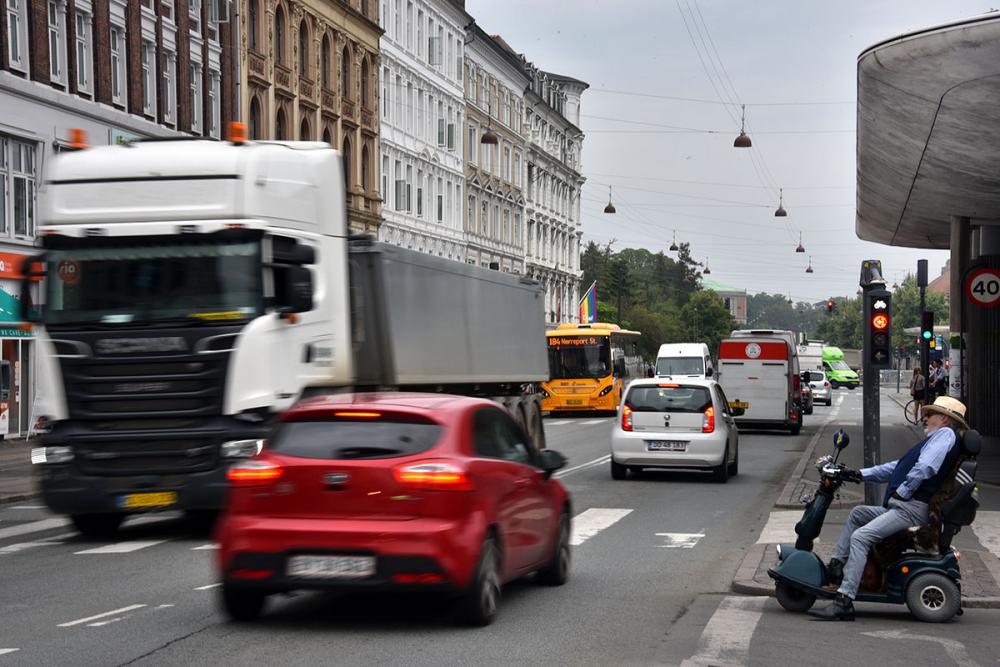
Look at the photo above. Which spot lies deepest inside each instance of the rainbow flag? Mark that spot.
(588, 305)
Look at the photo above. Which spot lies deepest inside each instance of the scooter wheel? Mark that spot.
(792, 599)
(933, 597)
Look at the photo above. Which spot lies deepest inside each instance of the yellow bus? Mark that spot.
(589, 366)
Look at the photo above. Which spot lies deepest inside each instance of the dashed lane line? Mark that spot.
(121, 547)
(592, 521)
(88, 619)
(206, 547)
(592, 422)
(207, 587)
(588, 464)
(726, 638)
(5, 651)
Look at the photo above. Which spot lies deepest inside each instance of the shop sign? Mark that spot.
(10, 265)
(14, 332)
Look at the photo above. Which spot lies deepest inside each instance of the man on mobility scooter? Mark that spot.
(912, 481)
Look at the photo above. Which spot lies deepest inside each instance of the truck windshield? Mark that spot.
(579, 357)
(839, 366)
(120, 284)
(680, 366)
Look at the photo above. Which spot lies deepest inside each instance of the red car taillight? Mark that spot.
(708, 420)
(433, 475)
(826, 383)
(626, 418)
(253, 472)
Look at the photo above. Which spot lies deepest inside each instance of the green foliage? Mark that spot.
(842, 328)
(906, 311)
(773, 311)
(658, 296)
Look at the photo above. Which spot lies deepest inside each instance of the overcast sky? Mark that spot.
(793, 63)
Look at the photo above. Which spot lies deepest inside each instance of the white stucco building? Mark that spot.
(422, 116)
(554, 144)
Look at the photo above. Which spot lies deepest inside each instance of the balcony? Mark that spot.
(328, 98)
(283, 78)
(257, 67)
(348, 110)
(307, 89)
(368, 119)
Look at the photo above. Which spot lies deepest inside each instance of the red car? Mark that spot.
(393, 491)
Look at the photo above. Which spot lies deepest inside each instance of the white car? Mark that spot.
(670, 422)
(820, 385)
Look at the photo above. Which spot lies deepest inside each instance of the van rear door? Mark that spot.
(757, 372)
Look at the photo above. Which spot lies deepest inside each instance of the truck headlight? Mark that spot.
(241, 449)
(59, 454)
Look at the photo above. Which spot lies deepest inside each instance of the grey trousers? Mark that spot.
(868, 525)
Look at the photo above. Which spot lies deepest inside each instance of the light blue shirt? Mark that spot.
(928, 464)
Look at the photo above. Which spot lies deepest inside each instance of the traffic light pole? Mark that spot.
(876, 354)
(925, 350)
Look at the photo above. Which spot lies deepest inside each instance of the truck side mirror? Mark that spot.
(297, 293)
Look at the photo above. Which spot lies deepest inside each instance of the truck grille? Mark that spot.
(146, 457)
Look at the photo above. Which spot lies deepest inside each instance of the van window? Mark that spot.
(680, 366)
(668, 399)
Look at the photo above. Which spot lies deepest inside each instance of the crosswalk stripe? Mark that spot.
(206, 547)
(5, 651)
(24, 546)
(726, 638)
(591, 422)
(121, 547)
(561, 422)
(679, 540)
(592, 521)
(32, 527)
(987, 529)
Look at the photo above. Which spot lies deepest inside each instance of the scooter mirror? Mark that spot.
(841, 439)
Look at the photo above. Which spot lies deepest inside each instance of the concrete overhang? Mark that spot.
(928, 133)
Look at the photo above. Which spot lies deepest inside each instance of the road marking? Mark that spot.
(592, 422)
(955, 650)
(27, 507)
(987, 529)
(79, 621)
(33, 527)
(205, 588)
(726, 638)
(121, 547)
(840, 399)
(5, 651)
(206, 547)
(679, 540)
(780, 527)
(597, 461)
(561, 422)
(24, 546)
(591, 522)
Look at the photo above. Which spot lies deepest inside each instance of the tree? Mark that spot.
(843, 327)
(706, 319)
(906, 311)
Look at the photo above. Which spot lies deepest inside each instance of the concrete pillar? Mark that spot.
(960, 256)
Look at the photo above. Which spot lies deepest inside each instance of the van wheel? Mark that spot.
(618, 471)
(720, 473)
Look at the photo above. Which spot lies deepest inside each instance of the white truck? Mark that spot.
(195, 289)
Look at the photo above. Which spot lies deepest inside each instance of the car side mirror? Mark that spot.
(552, 461)
(841, 440)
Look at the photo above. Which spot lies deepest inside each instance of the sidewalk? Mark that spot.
(16, 477)
(980, 567)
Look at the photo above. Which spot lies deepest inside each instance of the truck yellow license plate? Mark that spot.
(142, 500)
(739, 404)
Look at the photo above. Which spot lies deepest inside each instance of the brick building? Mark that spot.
(118, 69)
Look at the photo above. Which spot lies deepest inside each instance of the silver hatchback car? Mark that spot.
(683, 423)
(820, 385)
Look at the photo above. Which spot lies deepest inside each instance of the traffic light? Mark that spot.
(878, 322)
(830, 305)
(927, 326)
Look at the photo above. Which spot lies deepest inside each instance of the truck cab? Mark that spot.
(837, 370)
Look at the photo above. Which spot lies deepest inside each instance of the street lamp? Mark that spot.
(809, 268)
(673, 246)
(610, 208)
(742, 141)
(707, 270)
(780, 211)
(489, 136)
(801, 247)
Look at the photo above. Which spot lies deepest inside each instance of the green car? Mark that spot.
(837, 370)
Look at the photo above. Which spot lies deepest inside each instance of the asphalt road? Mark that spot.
(649, 585)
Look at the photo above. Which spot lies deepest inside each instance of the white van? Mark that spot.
(684, 360)
(760, 375)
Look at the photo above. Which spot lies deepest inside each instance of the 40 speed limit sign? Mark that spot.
(983, 287)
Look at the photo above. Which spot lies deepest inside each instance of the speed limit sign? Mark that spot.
(983, 287)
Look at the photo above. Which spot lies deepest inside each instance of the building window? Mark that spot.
(441, 124)
(57, 41)
(506, 225)
(472, 213)
(168, 11)
(17, 34)
(325, 65)
(440, 200)
(194, 16)
(345, 74)
(517, 169)
(253, 29)
(506, 164)
(385, 180)
(496, 220)
(365, 170)
(118, 92)
(366, 102)
(420, 193)
(399, 198)
(279, 36)
(471, 151)
(484, 219)
(304, 49)
(196, 109)
(215, 104)
(420, 33)
(169, 87)
(386, 93)
(409, 189)
(17, 169)
(83, 39)
(451, 131)
(517, 229)
(255, 126)
(434, 51)
(409, 26)
(148, 78)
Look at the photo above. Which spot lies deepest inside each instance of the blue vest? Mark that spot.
(929, 486)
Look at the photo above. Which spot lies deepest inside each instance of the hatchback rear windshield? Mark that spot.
(815, 376)
(375, 439)
(668, 399)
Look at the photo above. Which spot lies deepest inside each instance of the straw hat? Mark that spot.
(949, 407)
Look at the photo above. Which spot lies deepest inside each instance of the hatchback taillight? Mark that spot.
(434, 476)
(708, 420)
(626, 418)
(254, 472)
(826, 383)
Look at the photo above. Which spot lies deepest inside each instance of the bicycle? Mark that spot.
(910, 413)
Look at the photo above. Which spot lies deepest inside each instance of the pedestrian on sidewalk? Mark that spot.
(937, 379)
(917, 391)
(912, 481)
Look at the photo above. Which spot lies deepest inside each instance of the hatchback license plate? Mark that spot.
(666, 445)
(140, 500)
(331, 567)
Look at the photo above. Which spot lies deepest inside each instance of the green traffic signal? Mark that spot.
(927, 335)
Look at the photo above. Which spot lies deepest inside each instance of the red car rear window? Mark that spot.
(356, 439)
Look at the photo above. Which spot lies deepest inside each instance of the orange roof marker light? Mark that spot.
(77, 138)
(237, 133)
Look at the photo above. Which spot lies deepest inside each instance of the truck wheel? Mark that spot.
(792, 599)
(834, 385)
(536, 430)
(933, 598)
(97, 525)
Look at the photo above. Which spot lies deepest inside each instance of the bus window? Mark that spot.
(572, 357)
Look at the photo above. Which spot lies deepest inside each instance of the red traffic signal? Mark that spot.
(880, 322)
(830, 305)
